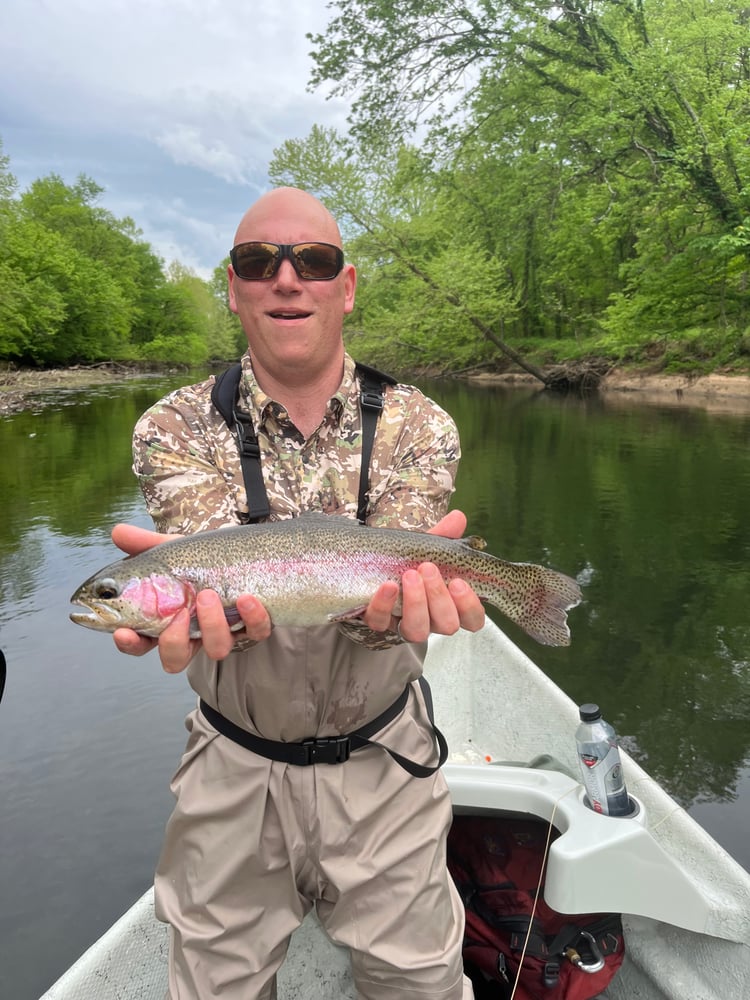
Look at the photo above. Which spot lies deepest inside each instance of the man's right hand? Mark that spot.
(176, 648)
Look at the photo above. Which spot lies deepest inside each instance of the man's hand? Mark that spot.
(428, 605)
(176, 648)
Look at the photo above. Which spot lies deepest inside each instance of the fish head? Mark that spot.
(115, 598)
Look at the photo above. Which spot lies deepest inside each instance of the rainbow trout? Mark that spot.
(312, 570)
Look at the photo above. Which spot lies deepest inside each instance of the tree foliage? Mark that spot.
(425, 296)
(598, 152)
(519, 177)
(79, 285)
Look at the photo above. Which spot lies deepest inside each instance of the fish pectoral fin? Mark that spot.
(234, 620)
(345, 616)
(232, 616)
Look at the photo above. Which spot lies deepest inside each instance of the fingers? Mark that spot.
(133, 540)
(128, 641)
(428, 605)
(415, 613)
(177, 649)
(470, 609)
(215, 635)
(257, 621)
(453, 525)
(379, 613)
(431, 606)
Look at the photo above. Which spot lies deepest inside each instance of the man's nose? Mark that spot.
(286, 276)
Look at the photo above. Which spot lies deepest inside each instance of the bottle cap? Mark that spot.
(589, 713)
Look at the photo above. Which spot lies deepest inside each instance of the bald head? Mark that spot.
(294, 325)
(288, 215)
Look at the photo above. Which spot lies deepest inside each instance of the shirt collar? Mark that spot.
(258, 403)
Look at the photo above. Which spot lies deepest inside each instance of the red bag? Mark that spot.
(496, 863)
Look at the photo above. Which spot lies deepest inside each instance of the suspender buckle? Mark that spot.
(327, 750)
(247, 442)
(371, 400)
(248, 449)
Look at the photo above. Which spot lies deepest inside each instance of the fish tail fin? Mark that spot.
(538, 600)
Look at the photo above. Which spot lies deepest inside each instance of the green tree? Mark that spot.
(32, 306)
(231, 341)
(676, 68)
(128, 269)
(178, 324)
(79, 284)
(68, 307)
(604, 145)
(449, 294)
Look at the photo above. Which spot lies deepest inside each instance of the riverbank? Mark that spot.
(19, 388)
(729, 393)
(715, 392)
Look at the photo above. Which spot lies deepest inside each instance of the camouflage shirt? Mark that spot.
(300, 682)
(186, 458)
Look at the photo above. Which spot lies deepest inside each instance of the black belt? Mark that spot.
(333, 749)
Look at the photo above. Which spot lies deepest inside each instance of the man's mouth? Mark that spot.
(289, 314)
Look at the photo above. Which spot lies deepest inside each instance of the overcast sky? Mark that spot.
(173, 106)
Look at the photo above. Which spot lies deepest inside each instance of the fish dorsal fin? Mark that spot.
(474, 542)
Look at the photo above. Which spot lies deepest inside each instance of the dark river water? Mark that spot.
(648, 506)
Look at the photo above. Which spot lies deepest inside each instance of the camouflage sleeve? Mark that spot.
(177, 457)
(414, 464)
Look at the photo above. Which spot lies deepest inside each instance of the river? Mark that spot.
(646, 505)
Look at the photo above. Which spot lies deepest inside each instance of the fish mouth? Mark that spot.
(99, 616)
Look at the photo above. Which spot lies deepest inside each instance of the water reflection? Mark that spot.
(647, 506)
(87, 739)
(650, 505)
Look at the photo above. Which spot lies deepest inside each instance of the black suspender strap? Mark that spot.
(334, 749)
(224, 395)
(252, 473)
(371, 406)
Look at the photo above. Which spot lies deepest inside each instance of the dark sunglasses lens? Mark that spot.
(259, 261)
(317, 261)
(255, 261)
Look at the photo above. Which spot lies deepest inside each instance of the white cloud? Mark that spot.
(174, 107)
(186, 145)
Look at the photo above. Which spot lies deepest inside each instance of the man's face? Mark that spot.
(293, 325)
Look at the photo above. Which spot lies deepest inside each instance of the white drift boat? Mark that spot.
(685, 902)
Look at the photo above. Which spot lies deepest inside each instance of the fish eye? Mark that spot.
(106, 589)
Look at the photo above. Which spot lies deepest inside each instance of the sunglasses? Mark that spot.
(258, 261)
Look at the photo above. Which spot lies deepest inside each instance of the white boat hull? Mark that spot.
(685, 902)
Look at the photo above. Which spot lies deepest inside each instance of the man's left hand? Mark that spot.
(428, 603)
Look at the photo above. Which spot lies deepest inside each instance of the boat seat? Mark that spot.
(599, 863)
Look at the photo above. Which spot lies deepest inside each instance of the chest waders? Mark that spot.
(327, 749)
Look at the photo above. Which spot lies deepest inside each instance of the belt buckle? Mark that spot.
(327, 750)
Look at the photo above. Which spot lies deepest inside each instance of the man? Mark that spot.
(254, 841)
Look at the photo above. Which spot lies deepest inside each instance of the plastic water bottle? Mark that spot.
(601, 767)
